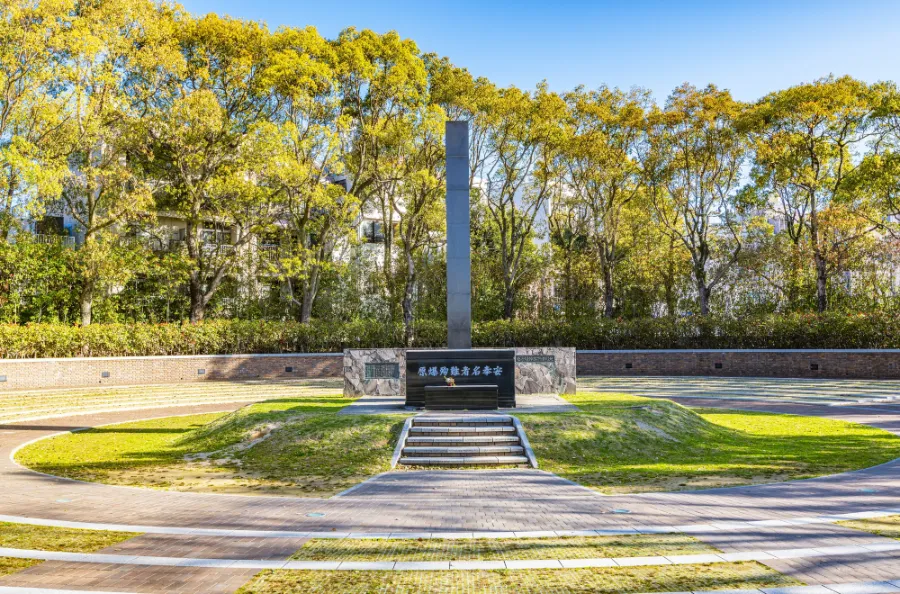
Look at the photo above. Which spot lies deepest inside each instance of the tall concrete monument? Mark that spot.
(459, 273)
(459, 377)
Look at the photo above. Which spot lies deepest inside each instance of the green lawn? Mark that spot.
(10, 565)
(888, 526)
(612, 580)
(620, 443)
(616, 443)
(287, 446)
(592, 547)
(51, 538)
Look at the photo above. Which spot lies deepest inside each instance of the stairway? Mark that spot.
(463, 440)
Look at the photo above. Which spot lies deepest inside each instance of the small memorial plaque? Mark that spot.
(551, 359)
(382, 371)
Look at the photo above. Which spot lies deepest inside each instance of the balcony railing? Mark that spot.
(269, 253)
(63, 240)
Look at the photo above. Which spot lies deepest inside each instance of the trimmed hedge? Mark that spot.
(799, 331)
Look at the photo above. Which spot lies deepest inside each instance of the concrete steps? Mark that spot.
(463, 440)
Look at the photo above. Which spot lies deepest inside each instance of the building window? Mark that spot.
(215, 236)
(50, 225)
(372, 232)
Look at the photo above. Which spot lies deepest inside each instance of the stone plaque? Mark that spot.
(547, 359)
(382, 371)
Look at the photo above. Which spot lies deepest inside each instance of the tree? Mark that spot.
(210, 140)
(319, 212)
(382, 83)
(603, 172)
(101, 188)
(693, 165)
(31, 48)
(805, 139)
(519, 173)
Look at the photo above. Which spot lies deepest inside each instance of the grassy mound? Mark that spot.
(615, 443)
(621, 443)
(289, 446)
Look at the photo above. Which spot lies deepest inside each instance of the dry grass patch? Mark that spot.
(591, 547)
(613, 580)
(10, 565)
(51, 538)
(888, 526)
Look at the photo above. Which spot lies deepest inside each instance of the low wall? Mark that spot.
(831, 364)
(25, 374)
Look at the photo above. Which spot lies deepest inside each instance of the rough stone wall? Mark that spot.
(25, 374)
(355, 382)
(544, 376)
(831, 364)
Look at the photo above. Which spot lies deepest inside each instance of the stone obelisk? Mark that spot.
(459, 274)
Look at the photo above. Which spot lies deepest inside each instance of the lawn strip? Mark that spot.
(888, 526)
(575, 547)
(51, 538)
(10, 565)
(667, 578)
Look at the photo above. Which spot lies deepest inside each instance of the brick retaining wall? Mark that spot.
(862, 364)
(25, 374)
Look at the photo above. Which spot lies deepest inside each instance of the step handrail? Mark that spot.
(523, 440)
(401, 442)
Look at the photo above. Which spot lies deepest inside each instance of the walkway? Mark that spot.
(787, 515)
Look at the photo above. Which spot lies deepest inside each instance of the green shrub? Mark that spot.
(876, 331)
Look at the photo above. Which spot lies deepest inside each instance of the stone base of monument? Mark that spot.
(383, 372)
(472, 397)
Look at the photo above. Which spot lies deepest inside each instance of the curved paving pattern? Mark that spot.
(503, 501)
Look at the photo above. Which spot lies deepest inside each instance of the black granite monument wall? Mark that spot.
(477, 367)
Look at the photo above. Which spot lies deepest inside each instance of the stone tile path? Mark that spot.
(495, 501)
(809, 391)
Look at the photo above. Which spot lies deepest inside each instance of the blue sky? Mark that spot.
(750, 47)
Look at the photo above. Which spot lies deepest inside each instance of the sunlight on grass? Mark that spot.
(287, 446)
(472, 549)
(621, 443)
(888, 526)
(51, 538)
(665, 578)
(10, 565)
(615, 443)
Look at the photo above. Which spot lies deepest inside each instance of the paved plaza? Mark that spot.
(788, 526)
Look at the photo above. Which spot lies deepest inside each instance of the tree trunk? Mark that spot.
(703, 291)
(310, 289)
(821, 282)
(198, 306)
(509, 301)
(608, 292)
(669, 280)
(87, 301)
(819, 258)
(407, 300)
(794, 280)
(704, 299)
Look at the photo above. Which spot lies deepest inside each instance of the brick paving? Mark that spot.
(130, 578)
(502, 500)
